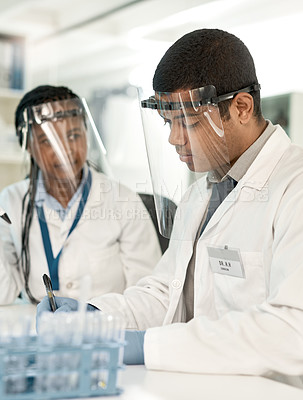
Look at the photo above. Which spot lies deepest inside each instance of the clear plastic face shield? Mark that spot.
(61, 137)
(185, 140)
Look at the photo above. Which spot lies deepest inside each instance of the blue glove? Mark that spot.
(64, 304)
(133, 351)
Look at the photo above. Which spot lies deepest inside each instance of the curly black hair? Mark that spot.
(208, 57)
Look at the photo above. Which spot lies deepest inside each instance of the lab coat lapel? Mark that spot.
(192, 214)
(94, 201)
(256, 176)
(98, 188)
(51, 216)
(223, 208)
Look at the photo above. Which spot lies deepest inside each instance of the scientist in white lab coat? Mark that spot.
(68, 219)
(226, 297)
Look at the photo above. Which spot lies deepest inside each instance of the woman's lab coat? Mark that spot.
(114, 242)
(251, 325)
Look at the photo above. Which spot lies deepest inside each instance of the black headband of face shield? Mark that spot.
(29, 120)
(154, 104)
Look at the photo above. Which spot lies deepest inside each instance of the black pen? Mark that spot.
(49, 292)
(4, 216)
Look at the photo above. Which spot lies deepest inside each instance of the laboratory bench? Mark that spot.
(141, 384)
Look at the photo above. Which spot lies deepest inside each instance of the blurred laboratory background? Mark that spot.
(104, 49)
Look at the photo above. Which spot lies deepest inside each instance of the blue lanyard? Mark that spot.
(52, 262)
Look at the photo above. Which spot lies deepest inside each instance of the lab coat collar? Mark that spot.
(92, 201)
(262, 167)
(43, 197)
(100, 185)
(257, 175)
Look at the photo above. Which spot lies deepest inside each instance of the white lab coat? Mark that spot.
(241, 326)
(114, 242)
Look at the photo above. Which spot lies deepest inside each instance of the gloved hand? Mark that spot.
(64, 304)
(133, 351)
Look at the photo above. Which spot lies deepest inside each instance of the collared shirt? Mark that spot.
(50, 202)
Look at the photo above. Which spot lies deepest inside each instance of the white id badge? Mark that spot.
(226, 261)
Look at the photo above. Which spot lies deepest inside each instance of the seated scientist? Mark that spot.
(68, 219)
(226, 297)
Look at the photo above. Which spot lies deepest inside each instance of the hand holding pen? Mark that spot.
(49, 292)
(4, 216)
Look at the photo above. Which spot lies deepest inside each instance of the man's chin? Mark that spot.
(198, 168)
(191, 167)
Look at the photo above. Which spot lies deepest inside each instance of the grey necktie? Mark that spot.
(219, 192)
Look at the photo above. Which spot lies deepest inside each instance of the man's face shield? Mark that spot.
(183, 126)
(61, 137)
(196, 129)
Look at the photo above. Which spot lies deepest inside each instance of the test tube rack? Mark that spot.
(31, 371)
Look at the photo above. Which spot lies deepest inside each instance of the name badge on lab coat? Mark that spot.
(226, 261)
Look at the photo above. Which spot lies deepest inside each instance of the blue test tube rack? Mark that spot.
(31, 371)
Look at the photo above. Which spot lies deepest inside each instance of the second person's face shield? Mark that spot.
(184, 138)
(61, 137)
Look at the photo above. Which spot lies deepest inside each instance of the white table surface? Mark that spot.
(140, 384)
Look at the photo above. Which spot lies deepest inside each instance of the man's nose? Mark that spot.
(177, 136)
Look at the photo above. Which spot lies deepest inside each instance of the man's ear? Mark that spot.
(244, 105)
